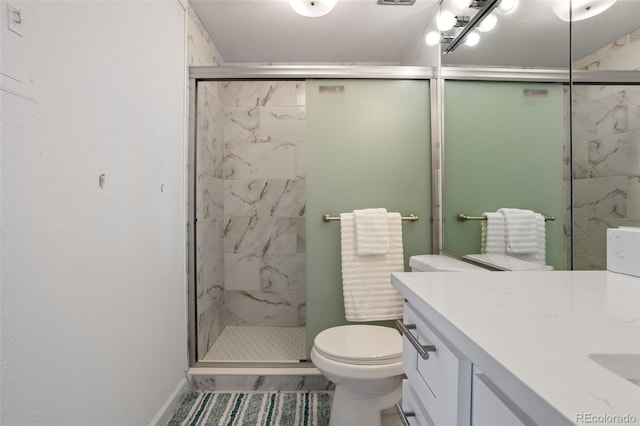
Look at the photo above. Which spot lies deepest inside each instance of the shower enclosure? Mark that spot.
(269, 155)
(249, 210)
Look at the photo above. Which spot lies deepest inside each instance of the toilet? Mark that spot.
(365, 361)
(365, 364)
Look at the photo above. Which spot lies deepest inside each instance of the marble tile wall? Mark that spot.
(210, 190)
(264, 203)
(209, 208)
(261, 383)
(606, 154)
(200, 48)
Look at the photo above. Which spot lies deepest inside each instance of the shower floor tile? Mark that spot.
(259, 344)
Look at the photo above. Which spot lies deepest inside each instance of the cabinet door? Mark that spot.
(412, 407)
(443, 381)
(490, 406)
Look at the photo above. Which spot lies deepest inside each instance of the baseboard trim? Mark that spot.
(167, 409)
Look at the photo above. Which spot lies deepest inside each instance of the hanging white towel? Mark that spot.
(372, 232)
(540, 254)
(493, 234)
(366, 280)
(521, 231)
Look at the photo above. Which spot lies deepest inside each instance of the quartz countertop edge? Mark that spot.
(531, 334)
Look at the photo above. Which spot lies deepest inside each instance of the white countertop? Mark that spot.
(538, 328)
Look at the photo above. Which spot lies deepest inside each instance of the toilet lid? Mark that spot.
(360, 344)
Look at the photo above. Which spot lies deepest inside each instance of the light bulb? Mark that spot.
(460, 5)
(472, 39)
(579, 10)
(312, 8)
(432, 38)
(446, 20)
(507, 5)
(488, 23)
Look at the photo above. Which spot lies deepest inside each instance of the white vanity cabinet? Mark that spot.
(516, 348)
(445, 388)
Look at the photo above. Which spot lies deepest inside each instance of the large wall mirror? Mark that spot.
(529, 138)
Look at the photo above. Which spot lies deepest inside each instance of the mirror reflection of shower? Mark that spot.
(250, 212)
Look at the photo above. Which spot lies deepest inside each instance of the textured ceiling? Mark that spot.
(363, 32)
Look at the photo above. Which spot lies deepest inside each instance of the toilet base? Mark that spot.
(351, 408)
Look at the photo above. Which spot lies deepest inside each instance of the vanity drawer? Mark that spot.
(412, 408)
(443, 381)
(491, 407)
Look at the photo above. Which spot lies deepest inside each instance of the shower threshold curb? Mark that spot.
(252, 371)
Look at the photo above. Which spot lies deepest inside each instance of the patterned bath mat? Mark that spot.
(253, 409)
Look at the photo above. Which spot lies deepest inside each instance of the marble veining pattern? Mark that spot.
(263, 160)
(250, 205)
(282, 124)
(260, 93)
(209, 203)
(603, 197)
(209, 282)
(210, 325)
(265, 197)
(259, 235)
(606, 153)
(241, 125)
(256, 383)
(200, 47)
(242, 271)
(264, 308)
(264, 203)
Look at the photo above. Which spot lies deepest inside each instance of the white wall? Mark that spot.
(93, 291)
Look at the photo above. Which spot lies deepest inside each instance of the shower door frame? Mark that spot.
(256, 73)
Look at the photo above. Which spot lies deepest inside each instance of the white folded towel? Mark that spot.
(366, 280)
(493, 234)
(372, 234)
(521, 231)
(494, 240)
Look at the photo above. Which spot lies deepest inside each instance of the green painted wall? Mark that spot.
(367, 146)
(503, 147)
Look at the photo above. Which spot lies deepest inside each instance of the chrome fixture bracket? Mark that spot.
(487, 8)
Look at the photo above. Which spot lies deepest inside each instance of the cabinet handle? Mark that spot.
(403, 415)
(423, 350)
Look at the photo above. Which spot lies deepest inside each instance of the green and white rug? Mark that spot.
(253, 409)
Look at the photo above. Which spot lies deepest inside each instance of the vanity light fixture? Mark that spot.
(460, 5)
(486, 7)
(488, 23)
(446, 20)
(579, 10)
(312, 8)
(507, 6)
(432, 38)
(472, 39)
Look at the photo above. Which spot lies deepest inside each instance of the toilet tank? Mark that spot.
(440, 263)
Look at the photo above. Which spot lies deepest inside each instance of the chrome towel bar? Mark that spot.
(327, 218)
(463, 217)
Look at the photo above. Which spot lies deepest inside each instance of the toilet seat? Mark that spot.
(360, 344)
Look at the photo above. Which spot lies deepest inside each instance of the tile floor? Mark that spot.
(259, 344)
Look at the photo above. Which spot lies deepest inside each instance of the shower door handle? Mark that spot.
(423, 350)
